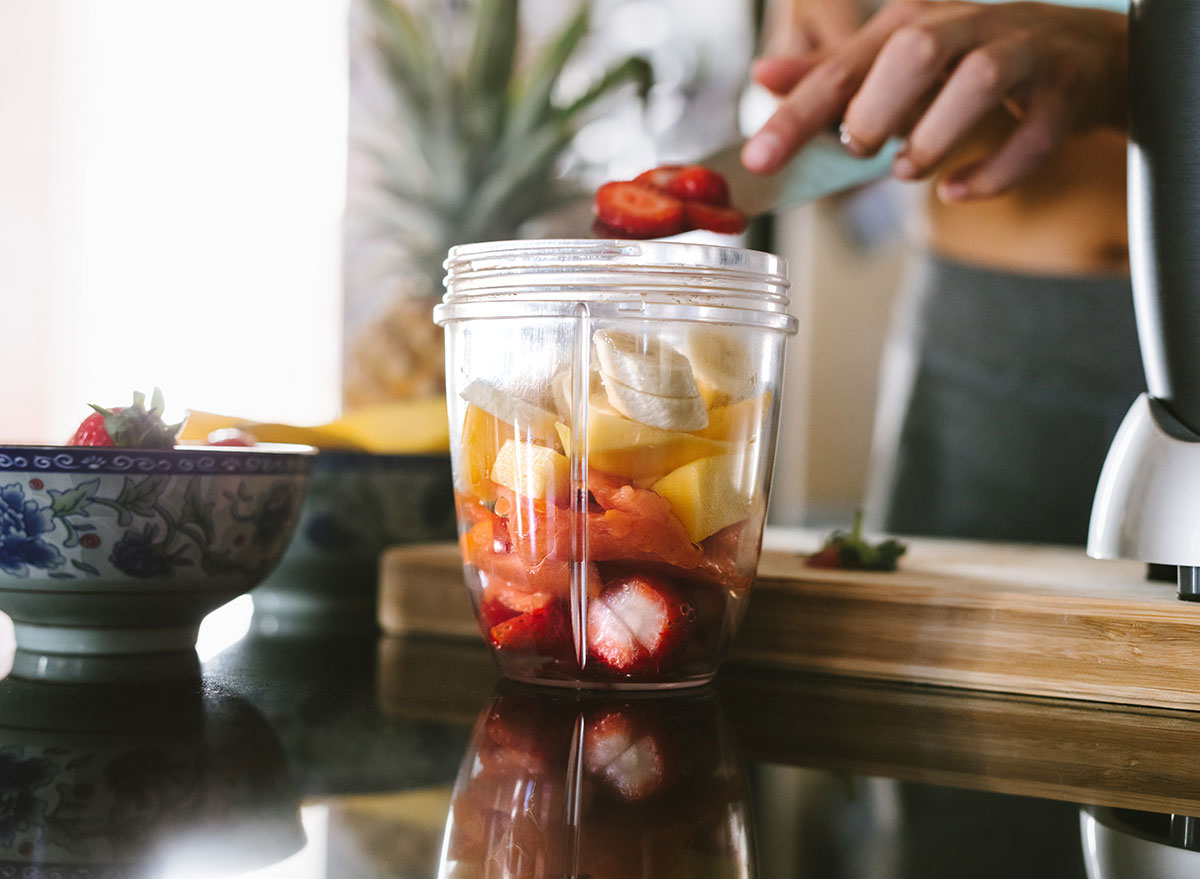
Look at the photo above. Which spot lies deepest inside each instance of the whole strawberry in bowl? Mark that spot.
(115, 546)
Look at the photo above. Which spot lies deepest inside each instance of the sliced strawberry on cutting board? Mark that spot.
(638, 210)
(638, 623)
(629, 759)
(726, 221)
(699, 184)
(546, 631)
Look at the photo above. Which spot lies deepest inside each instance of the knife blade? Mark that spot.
(821, 168)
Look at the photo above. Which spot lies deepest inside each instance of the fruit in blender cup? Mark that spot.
(638, 623)
(533, 471)
(664, 558)
(709, 494)
(622, 447)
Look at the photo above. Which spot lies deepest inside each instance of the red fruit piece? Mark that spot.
(700, 184)
(638, 623)
(129, 427)
(546, 631)
(726, 221)
(826, 557)
(631, 761)
(660, 177)
(231, 436)
(92, 432)
(638, 210)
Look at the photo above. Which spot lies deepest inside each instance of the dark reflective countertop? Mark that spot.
(357, 755)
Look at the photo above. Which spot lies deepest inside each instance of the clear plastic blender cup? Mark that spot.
(613, 409)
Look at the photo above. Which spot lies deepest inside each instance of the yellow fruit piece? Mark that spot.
(533, 471)
(710, 494)
(407, 427)
(483, 435)
(638, 451)
(739, 422)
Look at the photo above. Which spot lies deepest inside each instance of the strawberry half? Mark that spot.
(629, 759)
(638, 623)
(638, 210)
(546, 631)
(699, 184)
(133, 427)
(726, 221)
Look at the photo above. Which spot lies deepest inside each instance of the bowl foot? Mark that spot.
(81, 654)
(82, 669)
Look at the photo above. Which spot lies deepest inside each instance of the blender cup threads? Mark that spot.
(613, 408)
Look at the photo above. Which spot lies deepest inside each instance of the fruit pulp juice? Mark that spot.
(611, 481)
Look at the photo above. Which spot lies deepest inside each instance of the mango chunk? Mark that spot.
(739, 422)
(533, 471)
(483, 434)
(638, 451)
(711, 493)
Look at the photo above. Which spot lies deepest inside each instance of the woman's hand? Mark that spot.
(931, 70)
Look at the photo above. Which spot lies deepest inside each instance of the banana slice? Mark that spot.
(667, 413)
(528, 418)
(721, 361)
(644, 364)
(560, 385)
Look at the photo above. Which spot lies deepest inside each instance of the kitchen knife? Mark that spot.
(822, 167)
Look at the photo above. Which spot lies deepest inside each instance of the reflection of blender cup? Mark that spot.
(581, 786)
(118, 782)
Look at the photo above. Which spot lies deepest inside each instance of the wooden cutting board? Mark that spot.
(1011, 618)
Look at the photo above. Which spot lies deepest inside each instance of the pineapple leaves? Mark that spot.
(485, 143)
(532, 106)
(490, 66)
(635, 70)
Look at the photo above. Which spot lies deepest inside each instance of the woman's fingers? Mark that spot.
(780, 75)
(914, 59)
(979, 83)
(820, 97)
(1049, 116)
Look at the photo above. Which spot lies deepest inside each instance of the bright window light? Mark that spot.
(198, 177)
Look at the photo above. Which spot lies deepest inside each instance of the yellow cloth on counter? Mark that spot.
(402, 428)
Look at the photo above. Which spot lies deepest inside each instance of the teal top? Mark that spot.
(1113, 5)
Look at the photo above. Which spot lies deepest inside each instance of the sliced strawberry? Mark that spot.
(638, 623)
(660, 177)
(697, 183)
(638, 210)
(503, 601)
(546, 631)
(726, 221)
(630, 760)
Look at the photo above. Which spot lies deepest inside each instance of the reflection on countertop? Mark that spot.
(316, 755)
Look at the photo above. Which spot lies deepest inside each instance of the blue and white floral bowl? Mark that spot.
(120, 553)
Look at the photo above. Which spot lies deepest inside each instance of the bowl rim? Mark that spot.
(265, 458)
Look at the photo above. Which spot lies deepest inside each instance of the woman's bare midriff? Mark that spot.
(1068, 218)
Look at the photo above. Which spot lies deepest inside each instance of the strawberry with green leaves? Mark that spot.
(131, 427)
(851, 551)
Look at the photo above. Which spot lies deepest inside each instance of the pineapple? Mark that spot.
(475, 156)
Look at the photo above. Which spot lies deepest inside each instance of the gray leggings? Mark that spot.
(1000, 395)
